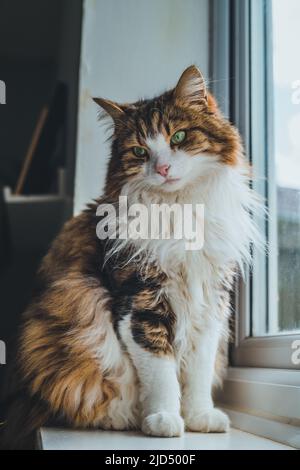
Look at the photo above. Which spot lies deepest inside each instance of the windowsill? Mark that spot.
(258, 402)
(265, 392)
(264, 402)
(66, 439)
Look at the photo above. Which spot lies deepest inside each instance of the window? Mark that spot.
(286, 79)
(264, 93)
(260, 91)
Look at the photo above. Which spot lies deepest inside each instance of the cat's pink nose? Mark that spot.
(162, 169)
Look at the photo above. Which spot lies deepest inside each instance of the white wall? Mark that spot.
(130, 49)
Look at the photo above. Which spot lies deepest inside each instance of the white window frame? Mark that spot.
(262, 389)
(254, 300)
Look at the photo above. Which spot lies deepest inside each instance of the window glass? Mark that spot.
(286, 126)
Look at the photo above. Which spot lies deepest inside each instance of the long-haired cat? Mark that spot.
(126, 334)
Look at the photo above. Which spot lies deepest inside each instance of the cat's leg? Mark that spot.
(198, 376)
(151, 353)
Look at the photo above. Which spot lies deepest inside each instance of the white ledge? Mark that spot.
(66, 439)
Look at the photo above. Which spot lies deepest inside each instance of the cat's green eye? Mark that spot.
(139, 151)
(178, 137)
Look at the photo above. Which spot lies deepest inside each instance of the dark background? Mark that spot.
(39, 49)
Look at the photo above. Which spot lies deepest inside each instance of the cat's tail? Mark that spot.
(21, 414)
(21, 418)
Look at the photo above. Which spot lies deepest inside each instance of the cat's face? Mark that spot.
(171, 141)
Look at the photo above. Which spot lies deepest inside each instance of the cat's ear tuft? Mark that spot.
(191, 86)
(112, 109)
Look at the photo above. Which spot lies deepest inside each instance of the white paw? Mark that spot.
(163, 424)
(211, 420)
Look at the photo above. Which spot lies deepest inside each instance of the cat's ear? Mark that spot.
(114, 110)
(191, 86)
(212, 104)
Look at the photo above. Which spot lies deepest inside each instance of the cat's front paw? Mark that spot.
(163, 424)
(211, 420)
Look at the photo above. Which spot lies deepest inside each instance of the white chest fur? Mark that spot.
(194, 277)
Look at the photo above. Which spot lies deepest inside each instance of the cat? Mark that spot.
(132, 334)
